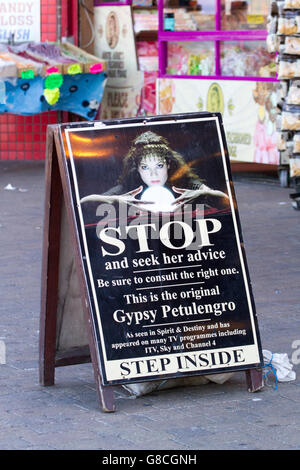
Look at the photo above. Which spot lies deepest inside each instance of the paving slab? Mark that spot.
(67, 415)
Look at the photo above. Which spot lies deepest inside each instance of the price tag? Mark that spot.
(255, 19)
(53, 81)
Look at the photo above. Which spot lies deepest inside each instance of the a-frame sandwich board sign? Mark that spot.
(144, 269)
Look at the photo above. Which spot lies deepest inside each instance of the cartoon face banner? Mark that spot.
(248, 109)
(161, 247)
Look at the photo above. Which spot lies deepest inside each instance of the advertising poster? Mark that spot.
(122, 101)
(21, 20)
(248, 109)
(161, 247)
(115, 43)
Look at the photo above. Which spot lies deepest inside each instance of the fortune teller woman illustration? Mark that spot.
(156, 178)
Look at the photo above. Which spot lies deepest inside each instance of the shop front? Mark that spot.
(44, 77)
(169, 56)
(213, 57)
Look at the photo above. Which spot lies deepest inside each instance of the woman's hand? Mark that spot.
(187, 195)
(128, 198)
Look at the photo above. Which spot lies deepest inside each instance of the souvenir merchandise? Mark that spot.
(39, 77)
(241, 58)
(291, 4)
(8, 67)
(186, 58)
(147, 52)
(289, 23)
(215, 58)
(142, 3)
(282, 91)
(272, 42)
(145, 20)
(289, 67)
(292, 45)
(296, 142)
(290, 118)
(295, 167)
(244, 16)
(281, 141)
(194, 20)
(287, 13)
(293, 95)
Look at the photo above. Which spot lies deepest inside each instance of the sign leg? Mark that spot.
(254, 379)
(50, 266)
(106, 397)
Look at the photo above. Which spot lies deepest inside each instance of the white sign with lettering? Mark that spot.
(20, 20)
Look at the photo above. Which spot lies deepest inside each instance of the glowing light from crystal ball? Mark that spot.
(161, 197)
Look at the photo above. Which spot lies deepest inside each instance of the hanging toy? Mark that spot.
(96, 68)
(74, 69)
(52, 84)
(51, 96)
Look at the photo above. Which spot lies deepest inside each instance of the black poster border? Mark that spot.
(69, 178)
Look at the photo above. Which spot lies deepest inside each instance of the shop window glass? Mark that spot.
(246, 58)
(191, 58)
(189, 15)
(244, 15)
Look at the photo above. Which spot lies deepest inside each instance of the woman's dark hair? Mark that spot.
(149, 144)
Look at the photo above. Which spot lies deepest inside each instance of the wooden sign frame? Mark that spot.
(61, 249)
(57, 200)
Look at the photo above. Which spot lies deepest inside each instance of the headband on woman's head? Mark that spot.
(157, 146)
(150, 138)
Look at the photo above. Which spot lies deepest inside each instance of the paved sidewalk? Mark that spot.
(67, 415)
